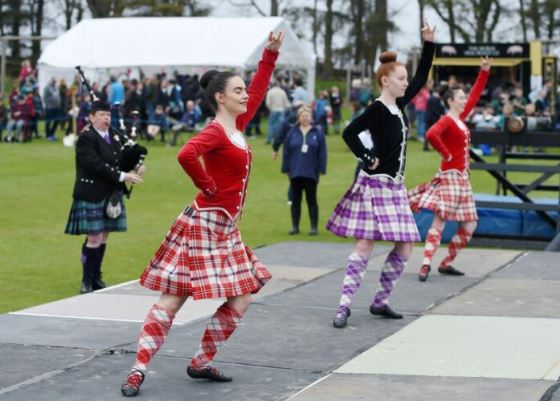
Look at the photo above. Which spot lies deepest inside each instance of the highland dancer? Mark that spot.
(203, 255)
(376, 208)
(449, 194)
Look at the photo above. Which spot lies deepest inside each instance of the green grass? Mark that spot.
(39, 263)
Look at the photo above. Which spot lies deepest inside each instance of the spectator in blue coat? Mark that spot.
(304, 159)
(320, 111)
(116, 92)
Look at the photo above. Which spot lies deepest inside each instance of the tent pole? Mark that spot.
(348, 80)
(3, 67)
(311, 77)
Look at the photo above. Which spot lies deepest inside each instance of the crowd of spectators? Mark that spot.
(497, 105)
(152, 105)
(161, 104)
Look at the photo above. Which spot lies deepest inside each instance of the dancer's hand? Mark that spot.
(428, 34)
(274, 42)
(374, 165)
(486, 63)
(210, 190)
(274, 155)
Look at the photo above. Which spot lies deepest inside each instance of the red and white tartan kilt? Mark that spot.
(203, 256)
(449, 195)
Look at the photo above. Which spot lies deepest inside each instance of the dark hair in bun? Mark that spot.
(388, 64)
(213, 82)
(449, 93)
(207, 77)
(387, 57)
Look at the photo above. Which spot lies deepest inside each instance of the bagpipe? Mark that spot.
(133, 153)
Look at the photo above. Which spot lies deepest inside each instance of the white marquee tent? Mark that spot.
(108, 46)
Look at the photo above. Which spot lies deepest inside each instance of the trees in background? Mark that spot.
(341, 32)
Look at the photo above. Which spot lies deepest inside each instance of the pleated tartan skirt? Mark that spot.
(374, 208)
(90, 218)
(449, 195)
(203, 256)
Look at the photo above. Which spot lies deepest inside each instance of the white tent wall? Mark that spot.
(112, 46)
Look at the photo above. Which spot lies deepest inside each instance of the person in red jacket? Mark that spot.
(202, 255)
(449, 194)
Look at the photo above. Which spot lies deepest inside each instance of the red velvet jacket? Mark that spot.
(226, 165)
(449, 139)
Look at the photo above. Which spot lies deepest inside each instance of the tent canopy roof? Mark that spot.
(172, 41)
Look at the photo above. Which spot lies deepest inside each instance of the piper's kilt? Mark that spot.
(90, 218)
(374, 208)
(203, 256)
(449, 195)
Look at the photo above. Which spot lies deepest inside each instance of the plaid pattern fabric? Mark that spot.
(374, 208)
(458, 242)
(355, 271)
(152, 335)
(449, 194)
(433, 239)
(392, 270)
(89, 218)
(203, 256)
(222, 325)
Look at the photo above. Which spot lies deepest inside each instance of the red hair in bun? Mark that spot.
(388, 64)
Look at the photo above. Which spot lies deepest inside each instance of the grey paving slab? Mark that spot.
(286, 338)
(553, 393)
(62, 332)
(310, 254)
(118, 307)
(351, 387)
(23, 362)
(534, 265)
(101, 378)
(474, 262)
(409, 296)
(507, 297)
(467, 346)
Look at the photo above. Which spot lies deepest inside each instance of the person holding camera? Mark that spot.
(449, 194)
(98, 201)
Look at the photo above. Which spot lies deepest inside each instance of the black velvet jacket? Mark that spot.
(98, 166)
(387, 130)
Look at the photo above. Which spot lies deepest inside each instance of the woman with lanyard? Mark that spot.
(449, 194)
(304, 158)
(202, 255)
(375, 208)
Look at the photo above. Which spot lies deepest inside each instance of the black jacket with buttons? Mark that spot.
(98, 166)
(388, 131)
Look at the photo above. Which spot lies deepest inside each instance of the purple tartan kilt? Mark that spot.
(374, 208)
